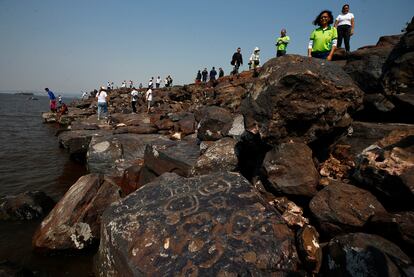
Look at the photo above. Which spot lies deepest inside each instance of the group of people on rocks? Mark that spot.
(322, 43)
(60, 109)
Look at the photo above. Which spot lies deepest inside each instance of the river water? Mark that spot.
(30, 159)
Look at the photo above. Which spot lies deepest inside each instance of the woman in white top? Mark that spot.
(148, 98)
(254, 60)
(102, 102)
(345, 25)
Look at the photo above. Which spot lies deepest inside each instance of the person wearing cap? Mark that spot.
(254, 60)
(102, 102)
(281, 43)
(236, 61)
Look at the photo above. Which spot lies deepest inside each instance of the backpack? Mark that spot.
(232, 62)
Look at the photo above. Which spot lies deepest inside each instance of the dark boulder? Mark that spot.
(25, 206)
(214, 123)
(296, 96)
(289, 168)
(211, 225)
(360, 254)
(396, 227)
(75, 221)
(387, 167)
(175, 156)
(340, 208)
(220, 156)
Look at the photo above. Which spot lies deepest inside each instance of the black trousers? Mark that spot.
(134, 109)
(344, 33)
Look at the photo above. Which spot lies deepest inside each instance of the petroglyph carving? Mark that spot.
(214, 187)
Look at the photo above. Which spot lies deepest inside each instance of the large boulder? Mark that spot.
(387, 167)
(365, 64)
(175, 156)
(77, 141)
(340, 208)
(289, 169)
(398, 74)
(211, 225)
(112, 154)
(296, 96)
(25, 206)
(214, 123)
(360, 254)
(75, 221)
(220, 156)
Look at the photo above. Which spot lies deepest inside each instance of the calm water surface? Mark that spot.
(30, 159)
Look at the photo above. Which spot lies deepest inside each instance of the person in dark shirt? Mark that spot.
(236, 61)
(221, 72)
(198, 77)
(213, 74)
(204, 74)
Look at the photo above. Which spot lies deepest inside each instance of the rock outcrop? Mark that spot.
(209, 225)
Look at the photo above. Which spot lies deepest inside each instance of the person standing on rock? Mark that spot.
(322, 43)
(236, 61)
(213, 74)
(254, 60)
(148, 98)
(102, 102)
(151, 83)
(52, 100)
(158, 82)
(281, 43)
(221, 72)
(204, 74)
(198, 77)
(345, 25)
(134, 99)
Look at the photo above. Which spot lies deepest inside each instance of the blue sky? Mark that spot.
(77, 45)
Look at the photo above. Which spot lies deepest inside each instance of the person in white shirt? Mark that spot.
(158, 82)
(151, 83)
(148, 98)
(134, 99)
(254, 60)
(102, 102)
(345, 24)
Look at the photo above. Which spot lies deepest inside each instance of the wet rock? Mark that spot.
(291, 213)
(112, 154)
(25, 206)
(340, 207)
(214, 123)
(281, 105)
(220, 156)
(175, 156)
(362, 254)
(387, 167)
(210, 225)
(289, 169)
(74, 223)
(309, 250)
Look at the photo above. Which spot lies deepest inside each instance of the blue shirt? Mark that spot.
(51, 95)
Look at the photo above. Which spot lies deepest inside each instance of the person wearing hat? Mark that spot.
(281, 43)
(102, 102)
(254, 60)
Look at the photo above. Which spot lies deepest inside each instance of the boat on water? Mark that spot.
(25, 93)
(32, 98)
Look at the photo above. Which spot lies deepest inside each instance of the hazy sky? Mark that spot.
(74, 45)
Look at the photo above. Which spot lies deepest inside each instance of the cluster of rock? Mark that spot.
(307, 168)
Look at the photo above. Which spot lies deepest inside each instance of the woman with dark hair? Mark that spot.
(322, 43)
(345, 24)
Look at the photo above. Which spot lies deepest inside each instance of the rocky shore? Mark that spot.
(307, 169)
